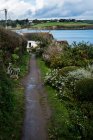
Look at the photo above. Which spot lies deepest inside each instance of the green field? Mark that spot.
(64, 24)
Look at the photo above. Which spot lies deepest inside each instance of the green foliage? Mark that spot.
(62, 25)
(55, 61)
(59, 124)
(79, 55)
(52, 55)
(43, 39)
(12, 103)
(12, 49)
(84, 90)
(11, 43)
(43, 69)
(15, 58)
(24, 64)
(39, 51)
(6, 100)
(64, 71)
(6, 96)
(82, 53)
(11, 121)
(69, 119)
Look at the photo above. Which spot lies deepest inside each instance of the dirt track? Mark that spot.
(36, 108)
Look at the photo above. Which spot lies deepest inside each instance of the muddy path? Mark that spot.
(37, 111)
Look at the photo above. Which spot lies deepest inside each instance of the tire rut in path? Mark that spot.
(37, 111)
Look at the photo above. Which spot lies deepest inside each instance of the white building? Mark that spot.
(31, 44)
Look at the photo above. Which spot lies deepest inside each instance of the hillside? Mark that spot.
(64, 25)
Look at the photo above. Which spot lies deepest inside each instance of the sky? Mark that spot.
(41, 9)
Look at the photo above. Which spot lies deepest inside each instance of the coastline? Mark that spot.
(61, 28)
(57, 27)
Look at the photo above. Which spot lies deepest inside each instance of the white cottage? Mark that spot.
(31, 44)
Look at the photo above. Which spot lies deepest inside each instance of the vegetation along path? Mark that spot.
(37, 110)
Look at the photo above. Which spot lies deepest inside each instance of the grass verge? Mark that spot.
(24, 65)
(59, 122)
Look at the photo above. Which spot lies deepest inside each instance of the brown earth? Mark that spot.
(37, 111)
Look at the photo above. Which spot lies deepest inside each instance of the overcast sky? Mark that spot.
(79, 9)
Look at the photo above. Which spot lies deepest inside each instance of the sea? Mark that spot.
(68, 35)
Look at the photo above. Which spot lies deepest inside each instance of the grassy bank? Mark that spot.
(11, 121)
(68, 25)
(70, 119)
(58, 125)
(12, 50)
(61, 24)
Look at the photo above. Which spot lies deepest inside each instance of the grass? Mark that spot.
(58, 126)
(12, 122)
(64, 24)
(59, 123)
(42, 66)
(24, 65)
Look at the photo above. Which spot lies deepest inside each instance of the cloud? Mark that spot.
(66, 9)
(48, 8)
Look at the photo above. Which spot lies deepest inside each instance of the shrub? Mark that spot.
(65, 70)
(55, 61)
(44, 38)
(39, 36)
(84, 90)
(52, 55)
(11, 43)
(66, 59)
(64, 80)
(6, 96)
(82, 53)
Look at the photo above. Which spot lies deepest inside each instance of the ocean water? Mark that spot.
(74, 35)
(69, 35)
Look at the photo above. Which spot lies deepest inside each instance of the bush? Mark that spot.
(11, 43)
(82, 53)
(65, 70)
(12, 49)
(6, 96)
(52, 55)
(55, 61)
(39, 36)
(84, 90)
